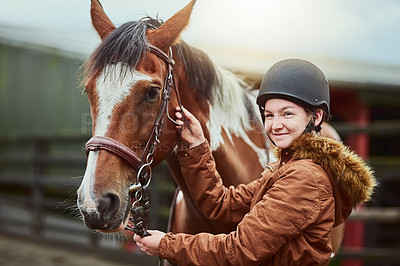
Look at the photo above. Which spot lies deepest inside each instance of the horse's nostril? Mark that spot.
(109, 206)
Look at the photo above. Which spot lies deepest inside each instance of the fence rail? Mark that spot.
(374, 128)
(381, 214)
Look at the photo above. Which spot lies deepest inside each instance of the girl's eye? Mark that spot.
(288, 114)
(152, 93)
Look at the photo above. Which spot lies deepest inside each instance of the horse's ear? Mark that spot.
(168, 33)
(100, 21)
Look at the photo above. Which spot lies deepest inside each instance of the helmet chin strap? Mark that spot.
(271, 140)
(311, 127)
(311, 124)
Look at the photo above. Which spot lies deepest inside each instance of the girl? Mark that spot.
(286, 216)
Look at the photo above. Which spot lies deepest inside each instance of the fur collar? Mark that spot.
(350, 172)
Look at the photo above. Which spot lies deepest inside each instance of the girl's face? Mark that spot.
(285, 121)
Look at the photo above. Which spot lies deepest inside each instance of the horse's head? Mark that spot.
(125, 84)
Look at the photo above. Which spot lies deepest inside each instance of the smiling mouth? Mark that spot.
(280, 134)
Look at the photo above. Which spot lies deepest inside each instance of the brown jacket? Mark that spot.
(284, 218)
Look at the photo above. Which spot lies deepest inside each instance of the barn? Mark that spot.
(45, 118)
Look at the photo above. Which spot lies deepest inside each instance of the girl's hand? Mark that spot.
(150, 244)
(192, 133)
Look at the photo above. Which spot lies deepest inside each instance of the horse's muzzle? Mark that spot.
(105, 216)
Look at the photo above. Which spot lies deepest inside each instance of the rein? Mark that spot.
(140, 208)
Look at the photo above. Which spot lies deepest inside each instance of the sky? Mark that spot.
(247, 35)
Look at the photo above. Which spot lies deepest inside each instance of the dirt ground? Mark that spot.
(16, 251)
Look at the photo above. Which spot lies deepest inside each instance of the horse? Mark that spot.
(134, 80)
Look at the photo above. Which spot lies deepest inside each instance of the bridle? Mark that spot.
(142, 164)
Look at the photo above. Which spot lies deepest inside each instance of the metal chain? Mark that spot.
(141, 206)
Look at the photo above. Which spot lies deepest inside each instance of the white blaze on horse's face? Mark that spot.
(112, 89)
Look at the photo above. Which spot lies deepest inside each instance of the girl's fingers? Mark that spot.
(136, 237)
(178, 115)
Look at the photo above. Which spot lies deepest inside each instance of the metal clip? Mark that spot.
(135, 187)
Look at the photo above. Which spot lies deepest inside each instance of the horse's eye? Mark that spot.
(152, 93)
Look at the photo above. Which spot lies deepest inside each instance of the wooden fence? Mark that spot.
(39, 177)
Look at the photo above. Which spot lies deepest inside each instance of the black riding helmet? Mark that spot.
(298, 81)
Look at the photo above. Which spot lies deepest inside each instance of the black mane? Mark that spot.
(200, 70)
(128, 43)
